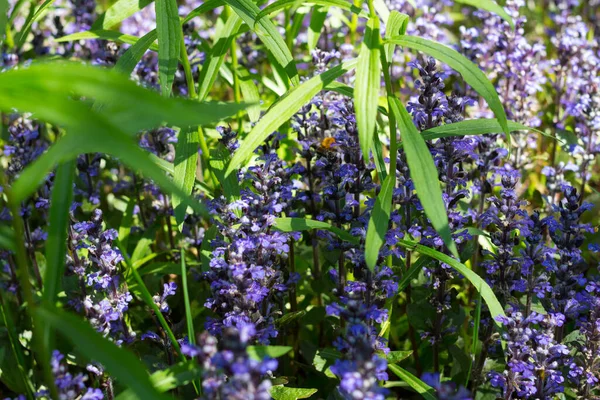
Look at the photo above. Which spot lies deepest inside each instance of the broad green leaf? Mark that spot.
(379, 221)
(119, 362)
(418, 385)
(491, 6)
(168, 379)
(268, 34)
(214, 59)
(287, 393)
(469, 71)
(119, 11)
(281, 4)
(301, 224)
(486, 291)
(56, 244)
(396, 25)
(250, 94)
(475, 127)
(424, 174)
(106, 35)
(262, 352)
(283, 110)
(169, 33)
(317, 21)
(31, 18)
(366, 87)
(184, 165)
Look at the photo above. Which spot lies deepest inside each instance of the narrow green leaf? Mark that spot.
(394, 357)
(491, 6)
(168, 379)
(127, 222)
(486, 291)
(379, 221)
(475, 336)
(169, 33)
(119, 11)
(424, 174)
(396, 25)
(250, 94)
(268, 34)
(206, 249)
(283, 110)
(412, 272)
(31, 18)
(168, 168)
(418, 385)
(219, 158)
(378, 157)
(262, 352)
(3, 19)
(382, 10)
(189, 320)
(317, 21)
(366, 87)
(476, 127)
(7, 238)
(214, 59)
(205, 7)
(301, 224)
(127, 62)
(185, 163)
(56, 244)
(287, 393)
(119, 362)
(281, 4)
(469, 71)
(103, 34)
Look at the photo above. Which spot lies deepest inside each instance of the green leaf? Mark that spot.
(396, 25)
(119, 11)
(268, 34)
(491, 6)
(317, 21)
(205, 247)
(127, 222)
(7, 238)
(412, 272)
(168, 379)
(378, 158)
(262, 352)
(186, 161)
(281, 4)
(475, 127)
(379, 221)
(219, 156)
(127, 62)
(301, 224)
(287, 393)
(283, 110)
(169, 33)
(475, 336)
(31, 18)
(366, 87)
(56, 244)
(189, 320)
(469, 71)
(250, 94)
(102, 34)
(486, 291)
(394, 357)
(418, 385)
(214, 59)
(205, 7)
(119, 362)
(423, 173)
(3, 18)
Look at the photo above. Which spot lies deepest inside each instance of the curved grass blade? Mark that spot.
(302, 224)
(119, 362)
(184, 168)
(288, 393)
(7, 238)
(281, 4)
(379, 221)
(423, 173)
(168, 379)
(396, 25)
(249, 93)
(106, 35)
(169, 33)
(127, 62)
(469, 71)
(189, 321)
(476, 127)
(205, 7)
(268, 34)
(491, 6)
(214, 60)
(413, 272)
(118, 11)
(283, 110)
(31, 18)
(317, 21)
(486, 291)
(56, 244)
(3, 19)
(127, 222)
(418, 385)
(366, 87)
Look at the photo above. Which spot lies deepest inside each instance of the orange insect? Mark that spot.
(327, 143)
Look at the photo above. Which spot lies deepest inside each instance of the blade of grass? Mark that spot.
(379, 221)
(119, 11)
(186, 298)
(285, 224)
(475, 336)
(114, 36)
(281, 4)
(168, 29)
(184, 168)
(31, 18)
(418, 385)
